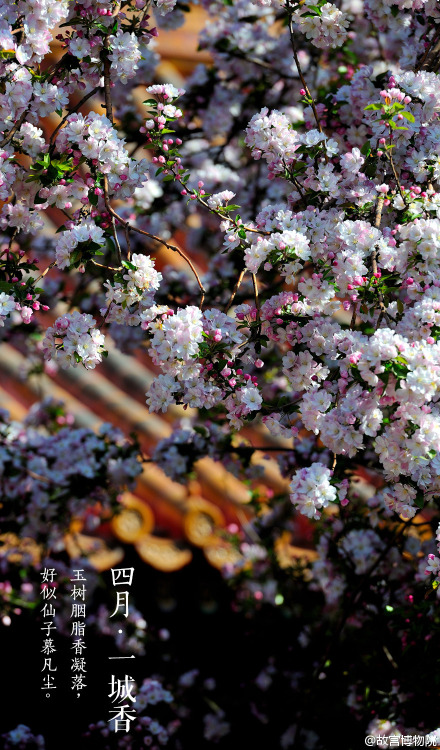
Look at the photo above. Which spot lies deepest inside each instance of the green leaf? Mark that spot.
(419, 500)
(127, 264)
(366, 149)
(93, 199)
(408, 116)
(76, 256)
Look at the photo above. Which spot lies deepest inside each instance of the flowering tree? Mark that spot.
(315, 312)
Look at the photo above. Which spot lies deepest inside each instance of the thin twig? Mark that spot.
(300, 73)
(13, 236)
(127, 239)
(402, 194)
(261, 64)
(106, 71)
(131, 228)
(235, 290)
(51, 265)
(105, 316)
(115, 235)
(59, 64)
(256, 295)
(14, 128)
(249, 529)
(108, 268)
(432, 44)
(218, 213)
(353, 317)
(251, 448)
(257, 305)
(377, 222)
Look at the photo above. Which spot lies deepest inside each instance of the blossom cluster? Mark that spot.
(74, 339)
(178, 341)
(310, 490)
(323, 23)
(52, 474)
(94, 139)
(130, 296)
